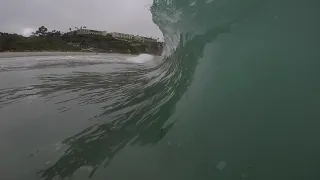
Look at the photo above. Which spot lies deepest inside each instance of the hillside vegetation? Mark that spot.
(43, 40)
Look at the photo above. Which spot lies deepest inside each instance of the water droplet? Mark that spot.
(243, 176)
(221, 165)
(192, 4)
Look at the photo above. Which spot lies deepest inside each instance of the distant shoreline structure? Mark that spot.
(116, 35)
(80, 40)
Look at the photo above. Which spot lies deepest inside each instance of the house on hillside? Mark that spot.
(132, 37)
(122, 36)
(92, 32)
(146, 39)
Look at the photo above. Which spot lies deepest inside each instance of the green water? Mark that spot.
(237, 96)
(252, 109)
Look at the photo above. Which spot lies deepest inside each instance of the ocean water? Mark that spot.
(236, 95)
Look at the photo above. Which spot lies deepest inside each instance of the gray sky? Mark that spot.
(128, 16)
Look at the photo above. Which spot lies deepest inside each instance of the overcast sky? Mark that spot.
(128, 16)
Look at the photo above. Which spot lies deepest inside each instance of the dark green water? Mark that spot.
(237, 96)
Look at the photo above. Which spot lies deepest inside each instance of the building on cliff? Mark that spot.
(122, 36)
(116, 35)
(92, 32)
(132, 37)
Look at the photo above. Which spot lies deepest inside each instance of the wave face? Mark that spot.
(251, 69)
(236, 96)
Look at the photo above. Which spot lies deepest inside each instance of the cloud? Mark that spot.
(128, 16)
(27, 31)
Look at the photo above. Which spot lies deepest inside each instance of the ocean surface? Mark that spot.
(235, 95)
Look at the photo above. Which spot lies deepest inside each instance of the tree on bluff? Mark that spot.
(42, 31)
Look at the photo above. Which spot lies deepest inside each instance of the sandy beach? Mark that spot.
(24, 54)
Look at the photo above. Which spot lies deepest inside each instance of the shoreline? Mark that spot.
(28, 54)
